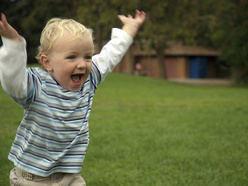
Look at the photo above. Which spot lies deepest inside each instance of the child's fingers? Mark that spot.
(143, 14)
(1, 28)
(122, 18)
(4, 20)
(1, 23)
(140, 14)
(2, 16)
(137, 13)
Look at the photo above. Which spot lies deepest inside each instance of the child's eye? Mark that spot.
(71, 57)
(88, 57)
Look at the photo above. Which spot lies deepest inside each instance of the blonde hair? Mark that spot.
(55, 28)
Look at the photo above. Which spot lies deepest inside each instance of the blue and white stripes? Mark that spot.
(53, 135)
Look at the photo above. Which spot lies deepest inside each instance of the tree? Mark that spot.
(165, 22)
(191, 22)
(234, 50)
(218, 24)
(102, 16)
(29, 17)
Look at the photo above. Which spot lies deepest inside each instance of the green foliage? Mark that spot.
(234, 22)
(97, 14)
(29, 17)
(193, 22)
(102, 16)
(218, 24)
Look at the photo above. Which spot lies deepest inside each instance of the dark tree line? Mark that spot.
(221, 24)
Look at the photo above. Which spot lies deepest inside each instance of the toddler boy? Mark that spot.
(53, 136)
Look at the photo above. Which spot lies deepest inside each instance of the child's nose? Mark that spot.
(81, 64)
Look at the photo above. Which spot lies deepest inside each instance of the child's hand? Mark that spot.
(6, 30)
(130, 24)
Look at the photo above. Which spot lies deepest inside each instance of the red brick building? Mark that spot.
(180, 62)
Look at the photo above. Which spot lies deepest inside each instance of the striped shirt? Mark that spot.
(53, 135)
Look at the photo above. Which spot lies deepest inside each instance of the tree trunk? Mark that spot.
(98, 39)
(129, 61)
(161, 62)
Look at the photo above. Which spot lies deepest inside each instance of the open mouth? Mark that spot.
(77, 79)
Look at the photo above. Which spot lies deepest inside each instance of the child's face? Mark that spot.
(69, 62)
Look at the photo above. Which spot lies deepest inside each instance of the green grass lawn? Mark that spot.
(147, 131)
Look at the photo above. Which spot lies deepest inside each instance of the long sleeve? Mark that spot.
(112, 53)
(13, 75)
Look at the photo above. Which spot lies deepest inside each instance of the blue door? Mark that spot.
(198, 67)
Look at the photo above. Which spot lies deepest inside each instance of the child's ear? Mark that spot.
(44, 59)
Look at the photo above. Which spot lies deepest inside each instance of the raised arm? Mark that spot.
(13, 59)
(121, 39)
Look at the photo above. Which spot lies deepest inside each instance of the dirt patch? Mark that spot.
(203, 81)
